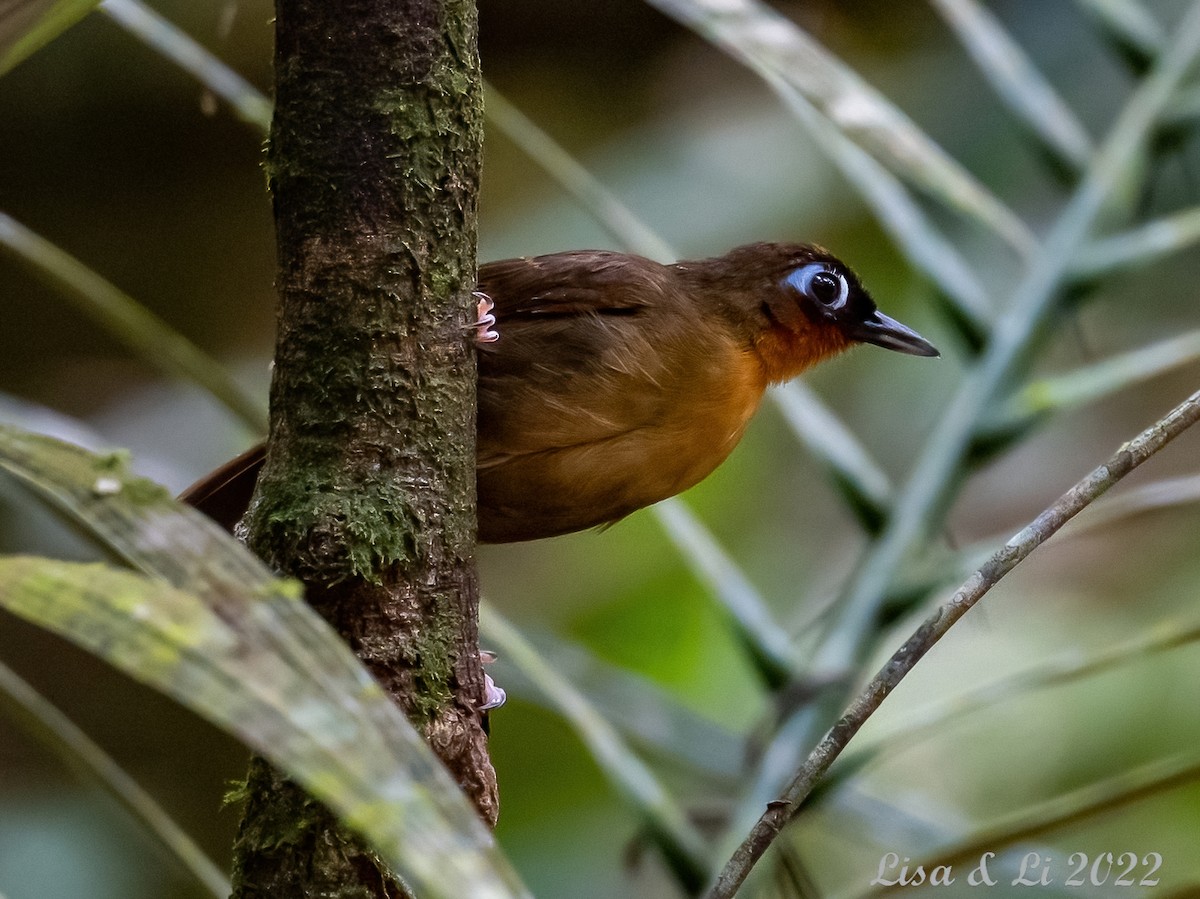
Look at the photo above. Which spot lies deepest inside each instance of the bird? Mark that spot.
(608, 381)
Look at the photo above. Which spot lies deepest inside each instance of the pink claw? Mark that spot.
(484, 333)
(493, 696)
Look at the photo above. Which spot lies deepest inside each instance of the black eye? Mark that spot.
(825, 288)
(820, 284)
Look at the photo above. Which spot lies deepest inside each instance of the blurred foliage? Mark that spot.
(116, 156)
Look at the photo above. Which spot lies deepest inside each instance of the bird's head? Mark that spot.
(802, 305)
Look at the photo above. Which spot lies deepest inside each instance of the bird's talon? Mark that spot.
(484, 332)
(493, 696)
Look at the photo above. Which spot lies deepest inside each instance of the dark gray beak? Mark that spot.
(890, 334)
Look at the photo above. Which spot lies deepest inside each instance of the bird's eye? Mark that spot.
(819, 283)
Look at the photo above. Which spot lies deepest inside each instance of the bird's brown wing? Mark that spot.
(589, 399)
(583, 282)
(580, 357)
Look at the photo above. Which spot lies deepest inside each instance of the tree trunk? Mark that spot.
(367, 494)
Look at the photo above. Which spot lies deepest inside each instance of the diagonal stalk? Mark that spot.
(919, 505)
(783, 809)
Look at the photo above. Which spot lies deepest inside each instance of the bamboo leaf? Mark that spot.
(28, 25)
(1086, 803)
(1017, 81)
(902, 218)
(924, 723)
(1016, 549)
(945, 568)
(830, 441)
(152, 339)
(1096, 381)
(210, 626)
(773, 652)
(1139, 246)
(1185, 108)
(1033, 297)
(248, 103)
(38, 717)
(1129, 24)
(686, 849)
(603, 205)
(791, 62)
(641, 710)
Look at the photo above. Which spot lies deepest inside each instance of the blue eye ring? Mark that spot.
(821, 284)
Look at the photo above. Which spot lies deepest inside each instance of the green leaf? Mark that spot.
(1141, 245)
(38, 717)
(28, 25)
(248, 103)
(206, 623)
(152, 339)
(613, 215)
(1129, 24)
(1017, 82)
(649, 716)
(1094, 382)
(686, 850)
(791, 62)
(921, 502)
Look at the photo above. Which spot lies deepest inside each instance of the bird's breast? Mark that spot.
(571, 446)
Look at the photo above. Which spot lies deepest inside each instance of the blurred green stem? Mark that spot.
(1139, 246)
(1093, 382)
(922, 723)
(1129, 22)
(38, 717)
(854, 622)
(782, 810)
(1017, 81)
(917, 508)
(575, 179)
(249, 103)
(1087, 803)
(686, 850)
(151, 339)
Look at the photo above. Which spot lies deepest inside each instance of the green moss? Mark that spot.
(237, 792)
(433, 646)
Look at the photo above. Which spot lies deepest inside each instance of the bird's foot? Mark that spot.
(493, 696)
(484, 330)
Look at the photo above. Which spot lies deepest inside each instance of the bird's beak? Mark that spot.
(890, 334)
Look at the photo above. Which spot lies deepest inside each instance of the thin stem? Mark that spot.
(40, 718)
(248, 103)
(1140, 246)
(565, 169)
(1032, 300)
(152, 339)
(782, 810)
(1017, 81)
(686, 849)
(918, 506)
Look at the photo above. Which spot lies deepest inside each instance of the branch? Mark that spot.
(367, 491)
(782, 810)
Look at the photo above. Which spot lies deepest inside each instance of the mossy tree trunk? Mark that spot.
(367, 494)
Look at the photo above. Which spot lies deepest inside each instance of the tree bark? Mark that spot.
(367, 494)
